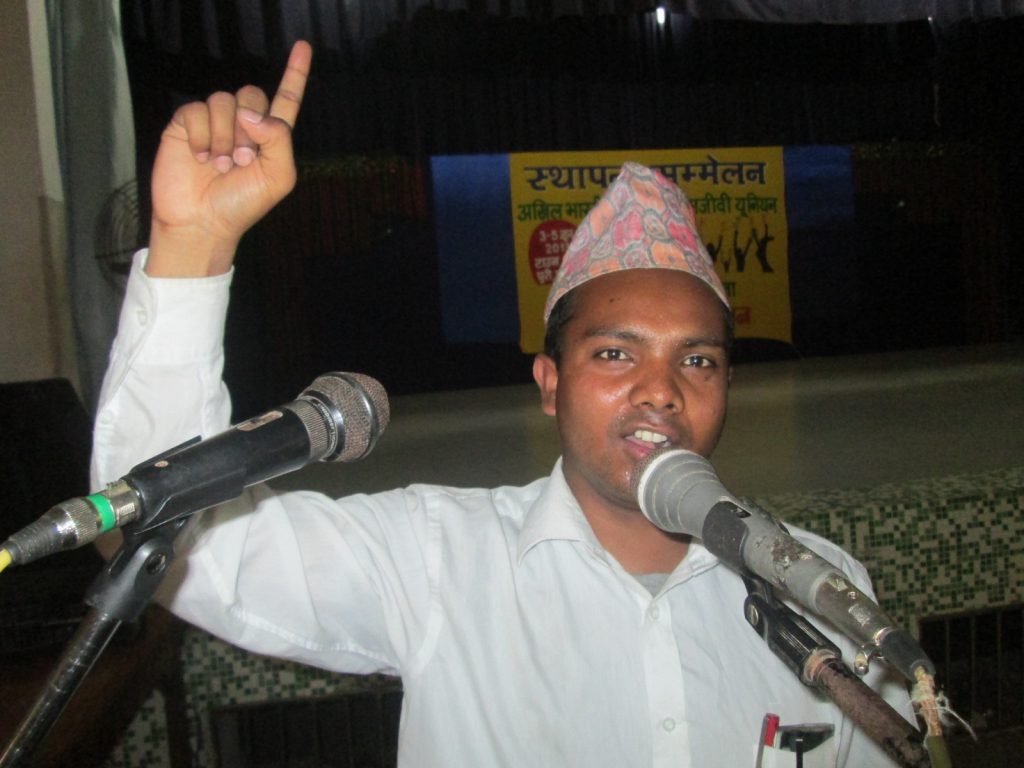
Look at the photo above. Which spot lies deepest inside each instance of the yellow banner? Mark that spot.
(738, 195)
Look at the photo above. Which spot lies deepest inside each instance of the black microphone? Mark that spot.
(337, 418)
(679, 492)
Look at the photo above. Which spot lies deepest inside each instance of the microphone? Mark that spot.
(679, 492)
(337, 418)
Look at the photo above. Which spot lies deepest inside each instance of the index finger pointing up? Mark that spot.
(288, 98)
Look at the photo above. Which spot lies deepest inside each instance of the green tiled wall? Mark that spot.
(931, 547)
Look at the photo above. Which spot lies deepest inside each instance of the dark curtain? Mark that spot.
(461, 82)
(344, 274)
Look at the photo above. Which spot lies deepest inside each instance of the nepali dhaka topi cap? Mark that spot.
(643, 221)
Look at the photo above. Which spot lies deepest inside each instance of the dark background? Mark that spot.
(344, 274)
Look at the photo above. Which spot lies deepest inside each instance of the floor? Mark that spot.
(817, 423)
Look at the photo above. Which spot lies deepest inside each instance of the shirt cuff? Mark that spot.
(174, 319)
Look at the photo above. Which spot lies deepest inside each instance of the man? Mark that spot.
(549, 625)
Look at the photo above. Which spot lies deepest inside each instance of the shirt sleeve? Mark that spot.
(163, 381)
(296, 575)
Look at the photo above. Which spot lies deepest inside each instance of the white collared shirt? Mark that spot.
(520, 641)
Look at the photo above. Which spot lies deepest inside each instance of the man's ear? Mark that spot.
(545, 373)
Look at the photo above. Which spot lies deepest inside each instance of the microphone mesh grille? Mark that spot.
(361, 406)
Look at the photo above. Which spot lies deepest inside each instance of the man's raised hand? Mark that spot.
(222, 164)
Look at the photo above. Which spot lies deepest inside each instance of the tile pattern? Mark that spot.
(145, 742)
(931, 546)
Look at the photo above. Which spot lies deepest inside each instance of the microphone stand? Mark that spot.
(119, 594)
(166, 490)
(817, 662)
(158, 503)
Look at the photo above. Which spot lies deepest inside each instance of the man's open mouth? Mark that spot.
(654, 438)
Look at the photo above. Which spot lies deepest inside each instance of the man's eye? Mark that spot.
(612, 354)
(698, 361)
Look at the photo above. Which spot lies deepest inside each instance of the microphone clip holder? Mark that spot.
(790, 636)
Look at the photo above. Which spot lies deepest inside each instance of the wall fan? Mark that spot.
(120, 233)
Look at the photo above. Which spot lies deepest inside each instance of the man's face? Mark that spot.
(643, 366)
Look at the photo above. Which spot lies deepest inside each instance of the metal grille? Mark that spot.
(979, 657)
(357, 730)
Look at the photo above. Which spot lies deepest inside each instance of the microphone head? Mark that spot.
(675, 489)
(359, 410)
(641, 473)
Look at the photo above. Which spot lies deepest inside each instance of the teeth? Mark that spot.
(649, 437)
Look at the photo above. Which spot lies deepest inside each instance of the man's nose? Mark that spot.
(657, 387)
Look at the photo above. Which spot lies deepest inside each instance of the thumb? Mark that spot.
(273, 138)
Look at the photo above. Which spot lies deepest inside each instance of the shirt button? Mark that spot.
(141, 316)
(106, 417)
(668, 724)
(654, 613)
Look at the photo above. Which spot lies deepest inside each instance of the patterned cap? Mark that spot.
(643, 221)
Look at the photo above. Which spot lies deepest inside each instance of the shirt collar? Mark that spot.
(555, 515)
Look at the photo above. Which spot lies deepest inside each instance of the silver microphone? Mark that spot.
(679, 492)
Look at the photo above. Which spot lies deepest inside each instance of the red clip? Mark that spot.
(769, 729)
